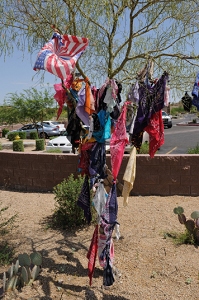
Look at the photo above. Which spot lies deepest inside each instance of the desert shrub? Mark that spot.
(39, 144)
(6, 224)
(144, 149)
(18, 146)
(67, 212)
(56, 150)
(4, 131)
(34, 135)
(12, 135)
(194, 150)
(22, 135)
(177, 110)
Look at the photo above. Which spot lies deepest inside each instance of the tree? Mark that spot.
(29, 106)
(123, 34)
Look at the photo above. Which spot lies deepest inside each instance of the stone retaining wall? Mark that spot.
(163, 175)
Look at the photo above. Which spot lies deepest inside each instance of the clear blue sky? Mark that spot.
(17, 75)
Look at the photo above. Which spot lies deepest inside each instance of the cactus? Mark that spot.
(191, 225)
(23, 272)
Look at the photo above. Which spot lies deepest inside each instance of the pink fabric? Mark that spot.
(60, 95)
(118, 142)
(155, 129)
(92, 254)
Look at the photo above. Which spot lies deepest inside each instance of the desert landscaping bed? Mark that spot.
(150, 265)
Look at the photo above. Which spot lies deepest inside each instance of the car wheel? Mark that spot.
(169, 126)
(43, 135)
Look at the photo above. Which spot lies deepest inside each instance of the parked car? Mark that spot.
(167, 119)
(62, 142)
(44, 131)
(61, 126)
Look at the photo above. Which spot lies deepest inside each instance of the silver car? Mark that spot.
(44, 131)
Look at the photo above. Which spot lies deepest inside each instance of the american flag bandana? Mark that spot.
(60, 54)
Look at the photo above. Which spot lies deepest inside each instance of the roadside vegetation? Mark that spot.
(6, 225)
(194, 150)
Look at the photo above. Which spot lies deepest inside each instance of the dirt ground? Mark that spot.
(151, 266)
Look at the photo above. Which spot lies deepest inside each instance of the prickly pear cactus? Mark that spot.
(191, 225)
(23, 272)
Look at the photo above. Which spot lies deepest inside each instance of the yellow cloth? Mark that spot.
(129, 176)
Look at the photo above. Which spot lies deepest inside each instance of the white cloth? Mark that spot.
(129, 176)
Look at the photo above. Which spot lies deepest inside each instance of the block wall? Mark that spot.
(162, 175)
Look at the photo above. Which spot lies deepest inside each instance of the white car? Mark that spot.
(62, 142)
(61, 126)
(167, 119)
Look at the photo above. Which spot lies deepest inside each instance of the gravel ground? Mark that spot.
(151, 266)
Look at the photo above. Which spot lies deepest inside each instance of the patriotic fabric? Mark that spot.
(60, 54)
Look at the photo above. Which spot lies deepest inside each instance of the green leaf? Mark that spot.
(178, 210)
(195, 215)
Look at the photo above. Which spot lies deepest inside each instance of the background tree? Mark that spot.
(123, 34)
(29, 106)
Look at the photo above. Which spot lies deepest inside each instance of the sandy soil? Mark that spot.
(151, 266)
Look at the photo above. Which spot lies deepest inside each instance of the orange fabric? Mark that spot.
(89, 100)
(77, 84)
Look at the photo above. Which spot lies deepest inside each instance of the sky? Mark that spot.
(17, 74)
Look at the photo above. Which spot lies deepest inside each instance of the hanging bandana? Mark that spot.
(155, 129)
(129, 176)
(195, 92)
(60, 95)
(92, 254)
(118, 142)
(84, 200)
(60, 54)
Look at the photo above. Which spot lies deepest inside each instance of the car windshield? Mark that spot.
(164, 113)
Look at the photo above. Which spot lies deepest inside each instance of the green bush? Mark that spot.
(22, 135)
(144, 149)
(34, 135)
(67, 212)
(56, 150)
(1, 147)
(18, 146)
(4, 131)
(193, 150)
(177, 110)
(12, 135)
(40, 144)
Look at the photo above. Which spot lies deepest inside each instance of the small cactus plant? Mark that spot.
(23, 272)
(191, 225)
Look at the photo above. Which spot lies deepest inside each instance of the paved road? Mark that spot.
(181, 137)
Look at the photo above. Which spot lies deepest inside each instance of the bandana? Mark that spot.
(84, 200)
(92, 254)
(129, 176)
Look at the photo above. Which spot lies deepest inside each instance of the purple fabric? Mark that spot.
(109, 214)
(84, 200)
(80, 111)
(98, 160)
(151, 101)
